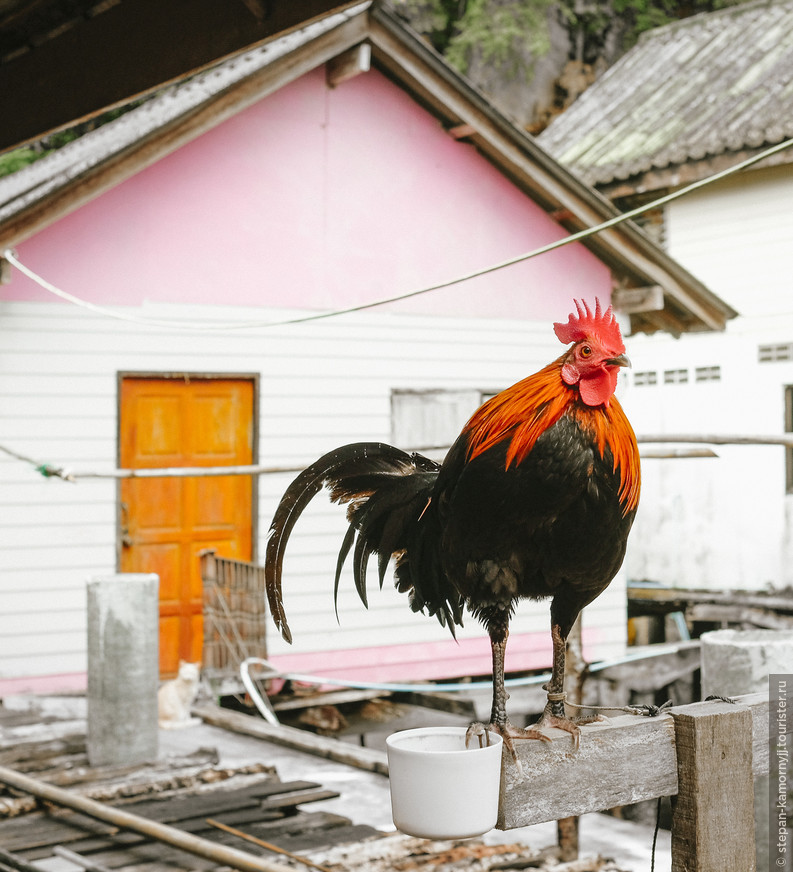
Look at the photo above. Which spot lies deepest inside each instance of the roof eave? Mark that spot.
(634, 259)
(122, 164)
(628, 251)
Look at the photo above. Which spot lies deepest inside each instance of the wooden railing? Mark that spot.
(706, 755)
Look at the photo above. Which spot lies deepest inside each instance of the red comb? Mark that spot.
(587, 323)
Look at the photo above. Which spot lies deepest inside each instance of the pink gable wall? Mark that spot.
(316, 198)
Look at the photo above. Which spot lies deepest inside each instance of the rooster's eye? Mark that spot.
(586, 351)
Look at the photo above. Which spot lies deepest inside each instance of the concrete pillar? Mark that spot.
(740, 661)
(123, 669)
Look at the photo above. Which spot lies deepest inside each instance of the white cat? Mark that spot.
(175, 697)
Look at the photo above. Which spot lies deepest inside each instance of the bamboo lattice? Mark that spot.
(234, 614)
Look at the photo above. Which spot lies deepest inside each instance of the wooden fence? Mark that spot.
(706, 755)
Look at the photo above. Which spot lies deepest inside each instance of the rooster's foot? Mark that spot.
(507, 731)
(549, 719)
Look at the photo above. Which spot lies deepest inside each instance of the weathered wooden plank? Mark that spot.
(336, 697)
(12, 861)
(174, 809)
(712, 820)
(663, 665)
(323, 838)
(295, 824)
(626, 760)
(348, 64)
(622, 761)
(42, 830)
(290, 800)
(665, 599)
(321, 746)
(169, 835)
(273, 809)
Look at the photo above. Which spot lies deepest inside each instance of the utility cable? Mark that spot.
(11, 257)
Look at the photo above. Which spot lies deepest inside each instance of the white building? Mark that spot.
(691, 99)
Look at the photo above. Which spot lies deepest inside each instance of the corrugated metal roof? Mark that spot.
(38, 179)
(706, 85)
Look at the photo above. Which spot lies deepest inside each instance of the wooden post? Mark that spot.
(712, 821)
(567, 827)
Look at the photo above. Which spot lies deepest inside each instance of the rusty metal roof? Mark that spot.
(702, 87)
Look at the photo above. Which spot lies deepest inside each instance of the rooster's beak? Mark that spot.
(621, 360)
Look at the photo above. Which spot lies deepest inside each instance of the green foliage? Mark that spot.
(510, 33)
(14, 160)
(505, 33)
(435, 19)
(642, 15)
(18, 158)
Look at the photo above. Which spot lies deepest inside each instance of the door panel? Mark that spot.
(167, 422)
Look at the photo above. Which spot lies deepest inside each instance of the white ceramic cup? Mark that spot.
(439, 788)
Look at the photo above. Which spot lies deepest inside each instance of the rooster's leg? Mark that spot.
(499, 722)
(554, 714)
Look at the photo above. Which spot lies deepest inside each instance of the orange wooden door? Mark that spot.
(166, 522)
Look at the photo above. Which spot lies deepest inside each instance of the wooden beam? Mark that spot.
(633, 300)
(290, 737)
(130, 49)
(625, 760)
(121, 166)
(712, 820)
(348, 64)
(461, 131)
(666, 599)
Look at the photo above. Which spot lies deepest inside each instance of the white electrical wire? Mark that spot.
(11, 257)
(265, 708)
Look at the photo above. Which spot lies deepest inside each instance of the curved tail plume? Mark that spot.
(388, 493)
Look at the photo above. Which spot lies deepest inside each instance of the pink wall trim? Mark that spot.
(395, 663)
(425, 661)
(44, 684)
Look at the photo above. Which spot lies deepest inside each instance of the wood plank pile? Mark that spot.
(398, 853)
(267, 810)
(239, 807)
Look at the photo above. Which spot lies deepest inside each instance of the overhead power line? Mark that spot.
(11, 257)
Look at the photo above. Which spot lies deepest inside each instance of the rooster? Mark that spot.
(535, 499)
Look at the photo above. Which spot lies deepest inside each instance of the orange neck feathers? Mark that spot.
(523, 412)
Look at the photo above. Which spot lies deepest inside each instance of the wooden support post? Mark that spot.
(575, 666)
(712, 821)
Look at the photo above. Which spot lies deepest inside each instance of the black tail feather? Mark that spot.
(349, 538)
(388, 492)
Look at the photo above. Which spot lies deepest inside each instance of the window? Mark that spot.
(431, 418)
(707, 373)
(648, 377)
(775, 353)
(675, 376)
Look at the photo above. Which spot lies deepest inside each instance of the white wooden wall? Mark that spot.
(723, 523)
(322, 384)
